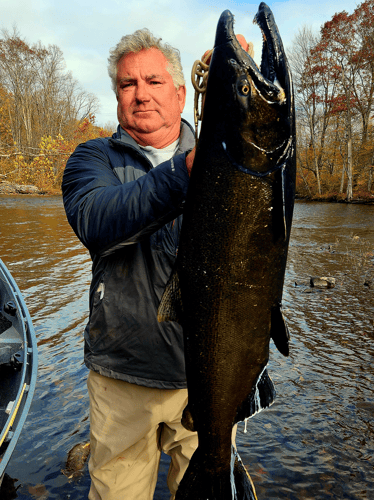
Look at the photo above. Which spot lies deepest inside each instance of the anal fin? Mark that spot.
(261, 396)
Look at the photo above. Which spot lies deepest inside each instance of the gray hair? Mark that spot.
(143, 39)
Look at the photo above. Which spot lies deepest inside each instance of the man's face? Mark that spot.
(149, 106)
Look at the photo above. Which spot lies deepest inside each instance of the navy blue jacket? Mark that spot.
(128, 215)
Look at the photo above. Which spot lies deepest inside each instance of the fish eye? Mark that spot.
(244, 88)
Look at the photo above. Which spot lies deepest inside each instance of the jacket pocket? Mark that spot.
(97, 321)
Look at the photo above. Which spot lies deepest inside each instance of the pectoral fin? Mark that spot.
(279, 331)
(171, 306)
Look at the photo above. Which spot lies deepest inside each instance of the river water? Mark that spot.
(315, 442)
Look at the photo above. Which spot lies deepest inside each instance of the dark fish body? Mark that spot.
(227, 288)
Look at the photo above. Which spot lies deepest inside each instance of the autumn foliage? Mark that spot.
(46, 167)
(44, 114)
(334, 84)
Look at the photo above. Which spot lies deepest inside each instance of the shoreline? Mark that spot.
(13, 189)
(336, 199)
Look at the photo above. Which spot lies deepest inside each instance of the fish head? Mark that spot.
(250, 110)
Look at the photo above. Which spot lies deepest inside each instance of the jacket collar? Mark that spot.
(186, 138)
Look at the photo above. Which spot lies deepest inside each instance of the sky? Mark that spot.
(85, 31)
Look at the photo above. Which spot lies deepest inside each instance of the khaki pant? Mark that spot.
(130, 425)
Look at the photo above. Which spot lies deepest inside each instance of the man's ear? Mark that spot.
(181, 94)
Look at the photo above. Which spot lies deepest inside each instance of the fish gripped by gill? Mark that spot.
(227, 286)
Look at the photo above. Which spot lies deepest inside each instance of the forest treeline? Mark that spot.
(333, 75)
(44, 113)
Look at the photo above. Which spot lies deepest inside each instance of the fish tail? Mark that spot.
(205, 481)
(244, 486)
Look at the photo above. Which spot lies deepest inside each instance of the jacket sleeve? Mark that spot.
(106, 214)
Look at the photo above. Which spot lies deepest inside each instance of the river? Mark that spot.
(315, 442)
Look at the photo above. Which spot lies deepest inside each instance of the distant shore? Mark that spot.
(9, 188)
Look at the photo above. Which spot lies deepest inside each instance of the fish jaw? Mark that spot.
(259, 103)
(273, 65)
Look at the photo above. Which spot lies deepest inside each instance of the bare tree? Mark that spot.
(45, 98)
(314, 90)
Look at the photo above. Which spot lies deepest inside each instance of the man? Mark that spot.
(128, 214)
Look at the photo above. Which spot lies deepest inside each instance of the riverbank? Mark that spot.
(11, 189)
(367, 199)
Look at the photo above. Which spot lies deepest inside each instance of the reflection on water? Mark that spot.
(315, 442)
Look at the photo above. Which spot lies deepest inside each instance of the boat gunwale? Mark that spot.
(22, 402)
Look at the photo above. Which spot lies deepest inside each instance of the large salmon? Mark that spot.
(227, 287)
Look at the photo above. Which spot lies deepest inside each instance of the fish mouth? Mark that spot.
(272, 80)
(263, 96)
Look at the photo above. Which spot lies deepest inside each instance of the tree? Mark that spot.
(46, 168)
(44, 97)
(338, 43)
(334, 81)
(349, 39)
(315, 88)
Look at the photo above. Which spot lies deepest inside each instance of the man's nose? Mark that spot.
(142, 92)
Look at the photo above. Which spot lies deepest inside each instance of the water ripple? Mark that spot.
(316, 442)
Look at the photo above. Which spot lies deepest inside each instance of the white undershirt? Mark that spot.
(157, 156)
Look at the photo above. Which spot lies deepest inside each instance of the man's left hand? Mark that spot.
(189, 160)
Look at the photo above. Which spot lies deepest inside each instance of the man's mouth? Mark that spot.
(143, 111)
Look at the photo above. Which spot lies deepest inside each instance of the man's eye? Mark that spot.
(155, 82)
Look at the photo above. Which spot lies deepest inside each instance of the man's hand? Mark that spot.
(248, 47)
(189, 160)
